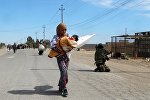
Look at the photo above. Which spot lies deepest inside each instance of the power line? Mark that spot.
(97, 17)
(50, 21)
(137, 4)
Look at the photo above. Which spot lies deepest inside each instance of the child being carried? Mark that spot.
(65, 44)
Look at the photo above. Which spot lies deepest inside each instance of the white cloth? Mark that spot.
(41, 47)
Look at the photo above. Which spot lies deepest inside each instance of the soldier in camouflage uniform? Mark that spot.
(100, 59)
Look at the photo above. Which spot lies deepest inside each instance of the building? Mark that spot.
(137, 45)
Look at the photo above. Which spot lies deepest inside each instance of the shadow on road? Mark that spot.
(127, 72)
(42, 90)
(86, 70)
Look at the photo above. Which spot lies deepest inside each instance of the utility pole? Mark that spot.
(125, 40)
(36, 35)
(61, 9)
(43, 32)
(125, 31)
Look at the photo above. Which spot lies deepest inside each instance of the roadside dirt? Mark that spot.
(3, 51)
(87, 57)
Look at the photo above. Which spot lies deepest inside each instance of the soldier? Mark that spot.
(100, 58)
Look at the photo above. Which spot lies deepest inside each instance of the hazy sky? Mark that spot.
(105, 18)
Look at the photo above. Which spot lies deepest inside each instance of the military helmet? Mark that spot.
(100, 45)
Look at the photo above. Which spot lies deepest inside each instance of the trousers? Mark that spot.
(63, 62)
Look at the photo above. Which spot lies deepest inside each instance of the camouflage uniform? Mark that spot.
(100, 58)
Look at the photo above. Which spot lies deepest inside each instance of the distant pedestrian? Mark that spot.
(14, 47)
(41, 48)
(8, 47)
(100, 59)
(62, 58)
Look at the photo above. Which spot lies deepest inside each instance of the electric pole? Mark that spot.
(125, 31)
(36, 36)
(43, 32)
(61, 9)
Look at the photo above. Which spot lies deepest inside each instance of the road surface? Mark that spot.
(27, 76)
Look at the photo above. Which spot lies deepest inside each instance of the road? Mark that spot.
(27, 76)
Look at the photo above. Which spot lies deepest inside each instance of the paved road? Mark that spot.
(27, 76)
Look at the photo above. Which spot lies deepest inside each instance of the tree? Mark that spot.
(2, 45)
(34, 44)
(30, 42)
(47, 43)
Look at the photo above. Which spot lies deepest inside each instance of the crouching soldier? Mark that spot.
(100, 59)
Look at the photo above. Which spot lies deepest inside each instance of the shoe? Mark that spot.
(107, 69)
(96, 70)
(64, 92)
(101, 69)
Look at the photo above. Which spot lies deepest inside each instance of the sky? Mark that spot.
(105, 18)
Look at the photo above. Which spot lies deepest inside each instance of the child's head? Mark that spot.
(75, 37)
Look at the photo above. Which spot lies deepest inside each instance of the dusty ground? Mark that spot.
(128, 79)
(3, 51)
(88, 58)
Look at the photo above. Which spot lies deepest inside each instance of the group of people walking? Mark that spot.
(14, 47)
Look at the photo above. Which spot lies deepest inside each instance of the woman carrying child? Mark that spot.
(62, 58)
